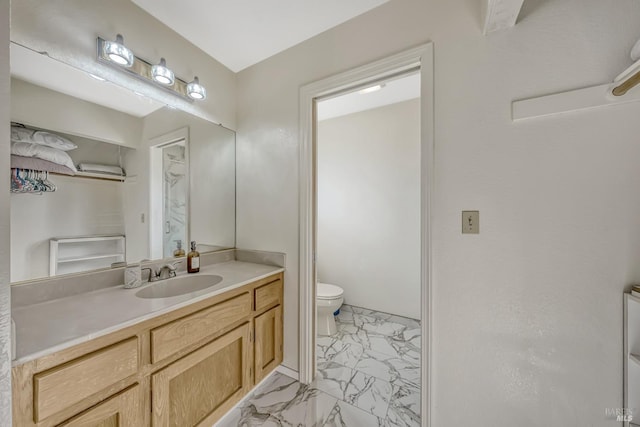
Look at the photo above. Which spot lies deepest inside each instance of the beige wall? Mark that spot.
(527, 315)
(5, 254)
(369, 207)
(68, 29)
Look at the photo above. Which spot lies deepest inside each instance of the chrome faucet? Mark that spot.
(167, 271)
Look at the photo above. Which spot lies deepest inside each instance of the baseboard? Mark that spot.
(288, 372)
(237, 405)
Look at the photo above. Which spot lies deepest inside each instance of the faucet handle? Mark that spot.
(152, 275)
(174, 265)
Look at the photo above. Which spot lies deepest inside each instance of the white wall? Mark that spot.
(527, 314)
(47, 109)
(5, 251)
(78, 207)
(68, 29)
(369, 207)
(211, 186)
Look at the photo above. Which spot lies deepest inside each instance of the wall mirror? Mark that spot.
(178, 183)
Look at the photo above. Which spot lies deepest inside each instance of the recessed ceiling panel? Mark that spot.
(240, 33)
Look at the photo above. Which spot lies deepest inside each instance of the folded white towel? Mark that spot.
(95, 167)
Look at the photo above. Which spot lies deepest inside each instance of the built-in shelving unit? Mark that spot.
(632, 355)
(76, 254)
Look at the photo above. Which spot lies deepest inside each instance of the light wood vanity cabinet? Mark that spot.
(268, 345)
(199, 388)
(122, 410)
(184, 368)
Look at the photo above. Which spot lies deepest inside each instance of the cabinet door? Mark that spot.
(125, 409)
(268, 345)
(202, 386)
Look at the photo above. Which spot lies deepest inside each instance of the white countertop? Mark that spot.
(54, 325)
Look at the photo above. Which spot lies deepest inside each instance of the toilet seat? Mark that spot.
(326, 291)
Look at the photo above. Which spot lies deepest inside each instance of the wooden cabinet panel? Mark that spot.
(176, 369)
(126, 409)
(268, 295)
(58, 388)
(199, 388)
(179, 334)
(268, 345)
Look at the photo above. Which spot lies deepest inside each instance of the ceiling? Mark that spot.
(41, 70)
(394, 91)
(240, 33)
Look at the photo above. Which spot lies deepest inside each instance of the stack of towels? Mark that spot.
(95, 167)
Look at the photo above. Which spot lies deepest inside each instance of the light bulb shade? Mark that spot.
(162, 74)
(117, 52)
(195, 90)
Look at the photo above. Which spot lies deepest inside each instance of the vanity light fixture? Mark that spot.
(117, 52)
(162, 74)
(98, 78)
(158, 75)
(195, 90)
(370, 89)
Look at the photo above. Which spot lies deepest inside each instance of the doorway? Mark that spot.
(368, 249)
(169, 187)
(418, 60)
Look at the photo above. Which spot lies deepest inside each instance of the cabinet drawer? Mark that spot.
(268, 295)
(63, 386)
(175, 336)
(126, 409)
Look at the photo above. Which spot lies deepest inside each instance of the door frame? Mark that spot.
(155, 152)
(419, 58)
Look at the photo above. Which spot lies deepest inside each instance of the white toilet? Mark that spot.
(328, 301)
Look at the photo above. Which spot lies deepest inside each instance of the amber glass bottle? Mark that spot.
(193, 259)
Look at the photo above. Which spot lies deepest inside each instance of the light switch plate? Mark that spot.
(470, 222)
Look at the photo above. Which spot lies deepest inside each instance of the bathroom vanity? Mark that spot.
(120, 360)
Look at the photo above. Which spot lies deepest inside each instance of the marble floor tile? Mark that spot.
(364, 391)
(412, 336)
(368, 375)
(355, 309)
(275, 394)
(345, 415)
(369, 393)
(309, 408)
(412, 323)
(383, 327)
(333, 379)
(389, 368)
(329, 349)
(404, 407)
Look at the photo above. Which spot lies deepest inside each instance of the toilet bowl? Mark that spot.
(328, 301)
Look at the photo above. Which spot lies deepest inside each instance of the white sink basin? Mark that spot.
(179, 286)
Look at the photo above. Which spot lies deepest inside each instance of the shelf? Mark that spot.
(89, 257)
(93, 250)
(94, 175)
(81, 239)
